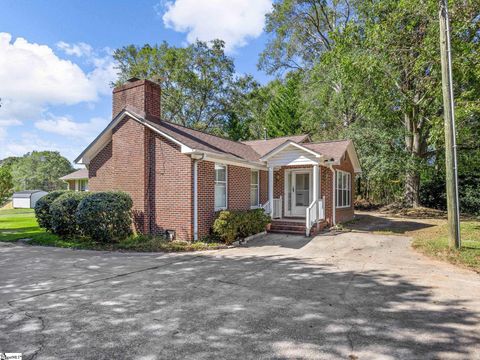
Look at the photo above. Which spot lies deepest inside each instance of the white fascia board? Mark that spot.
(285, 145)
(100, 141)
(352, 153)
(229, 160)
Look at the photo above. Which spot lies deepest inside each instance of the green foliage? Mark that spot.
(200, 88)
(232, 225)
(40, 170)
(63, 213)
(6, 183)
(42, 209)
(284, 112)
(105, 216)
(373, 75)
(301, 32)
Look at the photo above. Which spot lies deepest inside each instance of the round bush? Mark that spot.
(233, 225)
(62, 213)
(105, 216)
(42, 209)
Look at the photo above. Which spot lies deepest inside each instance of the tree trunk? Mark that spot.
(414, 144)
(412, 189)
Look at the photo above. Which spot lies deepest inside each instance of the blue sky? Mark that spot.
(56, 65)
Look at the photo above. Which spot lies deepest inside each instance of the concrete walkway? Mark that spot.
(345, 296)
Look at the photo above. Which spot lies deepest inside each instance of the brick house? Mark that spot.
(179, 177)
(77, 180)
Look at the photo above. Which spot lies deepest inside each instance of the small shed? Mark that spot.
(26, 199)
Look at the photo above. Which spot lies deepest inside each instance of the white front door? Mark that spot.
(301, 192)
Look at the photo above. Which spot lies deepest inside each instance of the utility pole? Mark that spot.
(450, 134)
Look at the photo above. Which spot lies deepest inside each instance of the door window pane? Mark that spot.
(302, 191)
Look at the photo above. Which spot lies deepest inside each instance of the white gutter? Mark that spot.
(195, 194)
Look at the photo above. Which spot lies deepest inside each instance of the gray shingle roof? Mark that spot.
(79, 174)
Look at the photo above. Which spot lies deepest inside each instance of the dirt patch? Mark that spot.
(414, 213)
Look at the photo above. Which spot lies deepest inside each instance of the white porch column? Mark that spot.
(315, 182)
(270, 189)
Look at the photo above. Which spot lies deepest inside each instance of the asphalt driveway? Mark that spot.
(345, 296)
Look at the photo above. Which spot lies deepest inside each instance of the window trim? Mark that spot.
(226, 186)
(348, 189)
(258, 189)
(79, 182)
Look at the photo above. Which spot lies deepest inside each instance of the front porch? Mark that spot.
(294, 201)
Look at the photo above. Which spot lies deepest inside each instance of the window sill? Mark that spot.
(220, 209)
(344, 207)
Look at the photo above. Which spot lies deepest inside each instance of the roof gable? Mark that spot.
(263, 146)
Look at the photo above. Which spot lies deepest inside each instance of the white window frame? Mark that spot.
(226, 186)
(258, 189)
(80, 184)
(344, 186)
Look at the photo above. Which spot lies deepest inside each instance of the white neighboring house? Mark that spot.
(77, 181)
(27, 199)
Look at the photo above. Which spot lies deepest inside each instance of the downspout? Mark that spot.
(195, 196)
(334, 222)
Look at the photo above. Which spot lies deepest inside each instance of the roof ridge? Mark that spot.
(275, 138)
(202, 132)
(327, 141)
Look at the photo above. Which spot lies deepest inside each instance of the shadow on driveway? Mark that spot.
(204, 306)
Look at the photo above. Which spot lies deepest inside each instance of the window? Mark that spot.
(343, 186)
(83, 185)
(220, 187)
(254, 189)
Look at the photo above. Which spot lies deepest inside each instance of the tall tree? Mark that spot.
(6, 183)
(40, 170)
(301, 31)
(284, 113)
(199, 82)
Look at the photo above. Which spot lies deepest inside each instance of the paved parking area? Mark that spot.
(345, 296)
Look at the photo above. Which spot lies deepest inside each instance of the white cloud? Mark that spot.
(234, 21)
(33, 78)
(79, 49)
(65, 126)
(32, 72)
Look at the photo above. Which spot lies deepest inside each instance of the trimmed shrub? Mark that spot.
(232, 225)
(42, 209)
(105, 216)
(63, 213)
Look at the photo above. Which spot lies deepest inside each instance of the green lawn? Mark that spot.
(16, 224)
(433, 241)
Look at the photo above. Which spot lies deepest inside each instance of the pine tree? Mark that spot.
(284, 113)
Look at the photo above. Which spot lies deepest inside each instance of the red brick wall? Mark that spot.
(153, 171)
(263, 187)
(100, 170)
(206, 197)
(238, 192)
(345, 214)
(238, 188)
(143, 95)
(129, 171)
(170, 200)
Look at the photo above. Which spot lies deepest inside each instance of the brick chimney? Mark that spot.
(141, 95)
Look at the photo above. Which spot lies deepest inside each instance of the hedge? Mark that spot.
(63, 213)
(105, 216)
(232, 225)
(42, 209)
